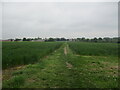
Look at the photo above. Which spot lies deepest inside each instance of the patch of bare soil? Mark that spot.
(7, 73)
(0, 76)
(69, 66)
(77, 55)
(87, 56)
(114, 67)
(84, 56)
(65, 51)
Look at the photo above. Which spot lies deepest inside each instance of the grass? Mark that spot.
(15, 82)
(94, 71)
(21, 53)
(67, 70)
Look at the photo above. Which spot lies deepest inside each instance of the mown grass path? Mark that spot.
(63, 69)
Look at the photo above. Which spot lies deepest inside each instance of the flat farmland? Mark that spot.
(60, 65)
(21, 53)
(94, 49)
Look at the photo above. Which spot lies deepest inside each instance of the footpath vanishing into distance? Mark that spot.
(61, 69)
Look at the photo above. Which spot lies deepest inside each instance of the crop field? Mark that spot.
(94, 49)
(60, 65)
(21, 53)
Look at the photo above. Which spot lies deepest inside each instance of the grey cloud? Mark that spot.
(59, 19)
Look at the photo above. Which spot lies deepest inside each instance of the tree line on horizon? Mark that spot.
(83, 39)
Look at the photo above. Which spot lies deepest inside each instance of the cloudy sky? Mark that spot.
(60, 19)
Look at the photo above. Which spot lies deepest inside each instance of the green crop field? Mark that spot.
(94, 49)
(60, 65)
(20, 53)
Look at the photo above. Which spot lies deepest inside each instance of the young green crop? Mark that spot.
(20, 53)
(96, 49)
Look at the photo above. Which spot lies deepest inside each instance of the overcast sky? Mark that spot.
(60, 19)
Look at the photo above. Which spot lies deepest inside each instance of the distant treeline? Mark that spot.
(83, 39)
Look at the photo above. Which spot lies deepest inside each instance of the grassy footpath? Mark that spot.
(63, 69)
(94, 71)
